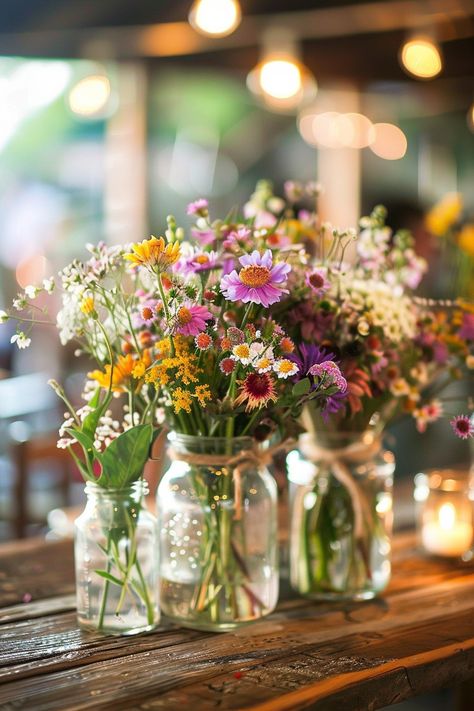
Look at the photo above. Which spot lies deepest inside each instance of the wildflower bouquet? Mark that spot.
(356, 307)
(184, 334)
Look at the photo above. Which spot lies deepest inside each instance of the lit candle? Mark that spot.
(447, 535)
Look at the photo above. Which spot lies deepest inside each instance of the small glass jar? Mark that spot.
(217, 515)
(340, 515)
(444, 513)
(116, 563)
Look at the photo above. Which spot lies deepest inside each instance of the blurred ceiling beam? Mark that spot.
(452, 19)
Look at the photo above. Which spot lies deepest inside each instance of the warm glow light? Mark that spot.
(357, 129)
(326, 129)
(90, 95)
(447, 516)
(215, 18)
(389, 141)
(422, 58)
(31, 270)
(280, 78)
(470, 118)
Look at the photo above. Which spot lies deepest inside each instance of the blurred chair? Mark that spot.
(29, 417)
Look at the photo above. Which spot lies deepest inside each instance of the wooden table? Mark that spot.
(418, 637)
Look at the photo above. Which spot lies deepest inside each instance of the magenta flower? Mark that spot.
(204, 236)
(467, 328)
(191, 319)
(462, 426)
(198, 207)
(199, 261)
(258, 282)
(318, 282)
(331, 369)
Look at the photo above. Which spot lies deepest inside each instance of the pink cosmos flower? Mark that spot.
(467, 328)
(318, 282)
(191, 319)
(199, 261)
(427, 413)
(198, 207)
(204, 236)
(259, 282)
(462, 426)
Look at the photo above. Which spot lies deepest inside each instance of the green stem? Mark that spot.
(103, 604)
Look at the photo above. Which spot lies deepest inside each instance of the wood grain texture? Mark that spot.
(419, 636)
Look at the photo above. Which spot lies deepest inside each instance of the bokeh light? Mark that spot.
(280, 78)
(421, 58)
(90, 96)
(31, 270)
(215, 18)
(389, 142)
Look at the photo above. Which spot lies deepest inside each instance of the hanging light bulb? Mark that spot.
(421, 57)
(280, 78)
(90, 96)
(215, 18)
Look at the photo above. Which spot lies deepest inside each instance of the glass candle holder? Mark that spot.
(444, 512)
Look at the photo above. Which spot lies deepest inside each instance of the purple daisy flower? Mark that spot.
(191, 319)
(318, 282)
(309, 358)
(462, 426)
(259, 281)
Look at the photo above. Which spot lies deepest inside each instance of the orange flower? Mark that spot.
(122, 374)
(154, 253)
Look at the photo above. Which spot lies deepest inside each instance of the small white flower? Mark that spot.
(31, 291)
(241, 353)
(20, 303)
(21, 340)
(285, 368)
(48, 285)
(3, 316)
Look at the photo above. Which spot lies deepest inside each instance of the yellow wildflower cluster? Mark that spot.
(181, 400)
(466, 239)
(154, 253)
(444, 214)
(121, 374)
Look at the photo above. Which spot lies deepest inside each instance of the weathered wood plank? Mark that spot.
(35, 569)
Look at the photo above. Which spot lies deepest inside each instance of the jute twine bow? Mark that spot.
(356, 453)
(240, 462)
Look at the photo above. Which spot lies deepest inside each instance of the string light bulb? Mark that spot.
(421, 57)
(90, 96)
(280, 79)
(215, 18)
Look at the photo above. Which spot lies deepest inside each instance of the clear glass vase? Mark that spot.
(115, 550)
(340, 515)
(217, 515)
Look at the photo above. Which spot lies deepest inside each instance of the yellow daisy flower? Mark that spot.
(154, 253)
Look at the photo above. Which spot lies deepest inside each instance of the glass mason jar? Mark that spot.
(217, 516)
(445, 512)
(116, 543)
(340, 515)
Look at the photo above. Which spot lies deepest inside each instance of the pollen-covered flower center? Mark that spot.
(286, 366)
(184, 316)
(147, 313)
(316, 281)
(254, 275)
(202, 259)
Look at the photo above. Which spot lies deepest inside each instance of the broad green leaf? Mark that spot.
(125, 457)
(109, 577)
(302, 387)
(84, 439)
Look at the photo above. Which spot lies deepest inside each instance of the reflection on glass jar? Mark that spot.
(218, 533)
(444, 503)
(340, 515)
(115, 553)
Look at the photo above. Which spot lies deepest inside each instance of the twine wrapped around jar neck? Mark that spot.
(245, 459)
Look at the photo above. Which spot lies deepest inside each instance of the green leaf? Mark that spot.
(84, 439)
(109, 577)
(302, 387)
(125, 457)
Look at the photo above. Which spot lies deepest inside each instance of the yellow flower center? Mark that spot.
(254, 276)
(241, 351)
(184, 316)
(264, 363)
(202, 259)
(285, 366)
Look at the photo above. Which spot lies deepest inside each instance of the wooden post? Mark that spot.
(125, 195)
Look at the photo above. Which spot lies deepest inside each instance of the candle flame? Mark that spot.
(447, 516)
